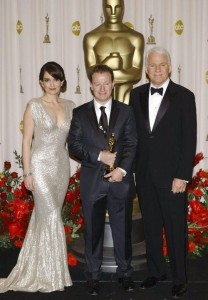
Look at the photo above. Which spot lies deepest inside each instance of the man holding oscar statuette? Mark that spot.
(103, 136)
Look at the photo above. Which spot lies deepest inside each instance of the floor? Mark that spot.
(110, 288)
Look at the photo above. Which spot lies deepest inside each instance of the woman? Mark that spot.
(42, 263)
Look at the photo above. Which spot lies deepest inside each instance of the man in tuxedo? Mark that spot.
(103, 188)
(165, 116)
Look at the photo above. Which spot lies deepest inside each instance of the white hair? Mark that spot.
(160, 50)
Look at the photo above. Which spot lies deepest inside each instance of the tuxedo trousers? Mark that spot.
(163, 210)
(114, 198)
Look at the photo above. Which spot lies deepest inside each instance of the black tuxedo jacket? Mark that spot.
(85, 141)
(167, 151)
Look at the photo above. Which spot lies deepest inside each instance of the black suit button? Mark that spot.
(151, 136)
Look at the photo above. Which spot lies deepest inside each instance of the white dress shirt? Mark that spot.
(107, 109)
(155, 101)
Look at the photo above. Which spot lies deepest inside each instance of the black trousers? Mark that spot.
(162, 209)
(111, 197)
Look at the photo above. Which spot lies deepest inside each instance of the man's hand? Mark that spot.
(107, 157)
(178, 186)
(115, 176)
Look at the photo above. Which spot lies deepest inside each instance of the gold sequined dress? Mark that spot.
(42, 262)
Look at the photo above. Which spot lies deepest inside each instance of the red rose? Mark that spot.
(192, 230)
(80, 220)
(77, 174)
(75, 209)
(14, 175)
(191, 246)
(20, 209)
(9, 189)
(17, 193)
(3, 196)
(72, 261)
(13, 229)
(197, 193)
(196, 206)
(67, 229)
(69, 196)
(203, 174)
(1, 183)
(18, 244)
(71, 181)
(7, 165)
(198, 157)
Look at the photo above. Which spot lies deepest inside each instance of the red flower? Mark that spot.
(17, 193)
(198, 157)
(72, 261)
(3, 196)
(1, 183)
(80, 220)
(198, 193)
(70, 196)
(192, 230)
(67, 229)
(71, 181)
(20, 209)
(191, 246)
(7, 165)
(13, 230)
(75, 209)
(14, 175)
(9, 189)
(18, 243)
(196, 206)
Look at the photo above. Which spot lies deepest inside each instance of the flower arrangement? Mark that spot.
(197, 218)
(198, 212)
(16, 205)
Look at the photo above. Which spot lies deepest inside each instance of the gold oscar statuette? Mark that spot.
(151, 38)
(47, 37)
(78, 90)
(21, 88)
(111, 145)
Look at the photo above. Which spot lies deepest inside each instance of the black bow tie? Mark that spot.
(160, 91)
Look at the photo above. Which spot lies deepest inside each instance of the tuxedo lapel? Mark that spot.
(92, 116)
(94, 122)
(162, 109)
(113, 117)
(145, 107)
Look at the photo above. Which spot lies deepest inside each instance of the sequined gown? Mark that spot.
(42, 263)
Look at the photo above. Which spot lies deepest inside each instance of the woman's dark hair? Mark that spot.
(56, 71)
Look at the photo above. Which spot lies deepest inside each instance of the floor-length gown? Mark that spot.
(42, 262)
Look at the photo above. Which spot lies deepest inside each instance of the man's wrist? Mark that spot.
(124, 172)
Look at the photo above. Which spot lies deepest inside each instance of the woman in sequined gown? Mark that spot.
(42, 263)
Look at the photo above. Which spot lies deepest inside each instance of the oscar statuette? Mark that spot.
(111, 144)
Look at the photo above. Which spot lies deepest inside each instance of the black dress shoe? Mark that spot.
(93, 287)
(127, 283)
(179, 290)
(150, 282)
